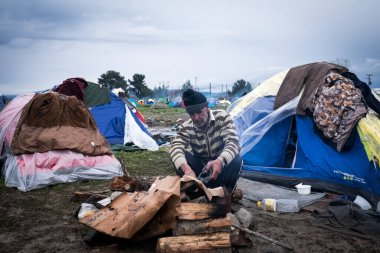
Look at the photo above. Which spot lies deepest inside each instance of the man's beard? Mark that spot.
(202, 124)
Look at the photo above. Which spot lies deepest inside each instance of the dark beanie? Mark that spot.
(193, 100)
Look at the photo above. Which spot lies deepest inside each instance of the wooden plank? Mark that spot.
(200, 211)
(194, 243)
(186, 227)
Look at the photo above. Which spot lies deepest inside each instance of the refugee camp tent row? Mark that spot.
(317, 124)
(176, 102)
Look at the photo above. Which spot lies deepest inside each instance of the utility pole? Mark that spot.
(210, 90)
(369, 79)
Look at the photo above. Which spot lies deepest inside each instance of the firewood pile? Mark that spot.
(195, 222)
(203, 226)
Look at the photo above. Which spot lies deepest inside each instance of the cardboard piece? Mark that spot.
(128, 214)
(215, 192)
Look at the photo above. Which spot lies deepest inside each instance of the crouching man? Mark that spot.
(213, 140)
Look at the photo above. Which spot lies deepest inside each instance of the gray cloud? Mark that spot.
(44, 42)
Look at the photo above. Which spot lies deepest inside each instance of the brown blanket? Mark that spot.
(309, 77)
(51, 121)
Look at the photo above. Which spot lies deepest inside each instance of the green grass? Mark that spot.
(144, 109)
(147, 163)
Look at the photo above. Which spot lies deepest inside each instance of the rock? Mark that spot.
(245, 217)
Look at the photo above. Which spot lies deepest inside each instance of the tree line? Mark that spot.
(137, 87)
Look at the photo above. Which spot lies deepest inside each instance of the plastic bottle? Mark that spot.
(279, 205)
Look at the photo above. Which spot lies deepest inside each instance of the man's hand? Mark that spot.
(216, 166)
(187, 170)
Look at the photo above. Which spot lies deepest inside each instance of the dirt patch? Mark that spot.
(296, 231)
(43, 221)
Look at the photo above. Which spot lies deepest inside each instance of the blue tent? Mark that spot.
(281, 147)
(120, 125)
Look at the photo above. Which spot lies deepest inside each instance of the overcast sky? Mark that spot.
(43, 42)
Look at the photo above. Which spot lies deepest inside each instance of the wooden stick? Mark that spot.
(263, 237)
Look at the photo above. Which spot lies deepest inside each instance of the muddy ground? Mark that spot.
(43, 221)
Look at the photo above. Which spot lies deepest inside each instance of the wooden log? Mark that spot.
(225, 200)
(186, 227)
(194, 243)
(200, 211)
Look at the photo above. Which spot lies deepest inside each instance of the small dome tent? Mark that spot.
(281, 144)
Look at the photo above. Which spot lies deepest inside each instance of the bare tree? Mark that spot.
(342, 62)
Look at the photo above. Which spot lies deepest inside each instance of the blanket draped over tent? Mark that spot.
(51, 121)
(306, 77)
(72, 87)
(337, 107)
(281, 144)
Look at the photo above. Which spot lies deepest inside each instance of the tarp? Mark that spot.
(96, 94)
(257, 191)
(369, 130)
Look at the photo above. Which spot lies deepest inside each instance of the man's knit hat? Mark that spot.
(193, 100)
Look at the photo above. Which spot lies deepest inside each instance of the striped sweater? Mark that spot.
(219, 139)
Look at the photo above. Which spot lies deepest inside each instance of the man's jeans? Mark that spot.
(227, 178)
